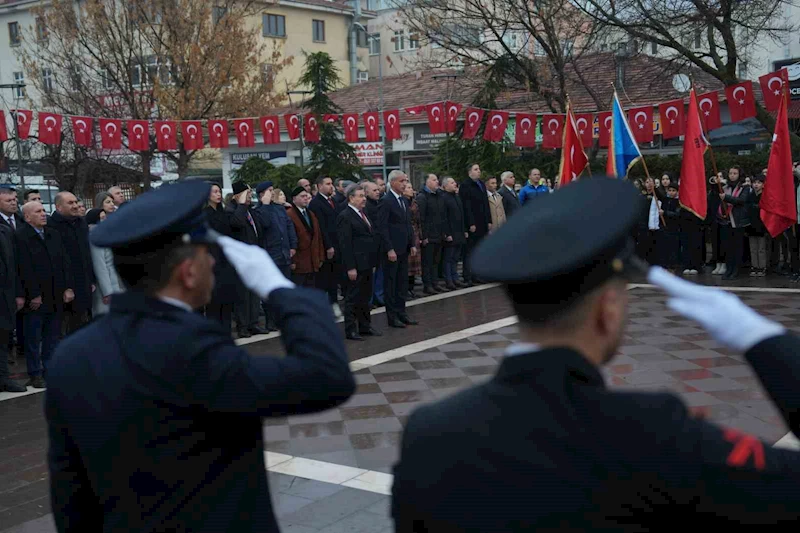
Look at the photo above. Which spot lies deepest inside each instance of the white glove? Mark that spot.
(723, 315)
(255, 267)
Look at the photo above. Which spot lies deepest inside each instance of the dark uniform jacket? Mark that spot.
(476, 206)
(358, 242)
(510, 200)
(545, 446)
(394, 225)
(74, 233)
(44, 267)
(10, 287)
(326, 215)
(161, 430)
(277, 235)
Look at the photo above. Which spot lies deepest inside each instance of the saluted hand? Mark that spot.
(255, 267)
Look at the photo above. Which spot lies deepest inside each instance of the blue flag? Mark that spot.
(623, 152)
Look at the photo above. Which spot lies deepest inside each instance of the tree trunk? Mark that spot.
(183, 162)
(146, 158)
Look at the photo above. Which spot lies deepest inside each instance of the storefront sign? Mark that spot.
(425, 140)
(793, 68)
(238, 158)
(369, 153)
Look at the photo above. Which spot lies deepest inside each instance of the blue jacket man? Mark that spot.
(529, 191)
(277, 236)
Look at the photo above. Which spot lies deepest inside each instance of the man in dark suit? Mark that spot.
(245, 229)
(358, 243)
(477, 216)
(9, 208)
(161, 429)
(11, 302)
(324, 206)
(545, 446)
(509, 193)
(394, 226)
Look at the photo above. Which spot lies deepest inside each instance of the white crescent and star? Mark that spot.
(391, 119)
(82, 124)
(270, 124)
(671, 108)
(244, 127)
(351, 122)
(433, 112)
(524, 127)
(111, 129)
(473, 117)
(736, 90)
(606, 121)
(371, 122)
(168, 128)
(636, 119)
(191, 127)
(585, 124)
(499, 121)
(218, 128)
(550, 125)
(452, 111)
(312, 123)
(780, 84)
(22, 118)
(710, 105)
(293, 120)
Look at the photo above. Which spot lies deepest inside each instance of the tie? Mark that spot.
(12, 222)
(305, 216)
(402, 203)
(480, 184)
(364, 218)
(330, 201)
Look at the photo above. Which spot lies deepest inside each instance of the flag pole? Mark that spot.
(711, 153)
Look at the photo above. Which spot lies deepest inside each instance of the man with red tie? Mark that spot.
(324, 207)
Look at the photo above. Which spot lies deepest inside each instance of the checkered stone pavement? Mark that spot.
(661, 351)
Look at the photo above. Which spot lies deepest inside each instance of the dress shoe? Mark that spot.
(407, 321)
(9, 385)
(451, 286)
(258, 330)
(243, 334)
(377, 302)
(461, 284)
(37, 382)
(372, 332)
(353, 336)
(396, 324)
(429, 291)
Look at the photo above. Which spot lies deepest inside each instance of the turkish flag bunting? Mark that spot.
(218, 133)
(245, 136)
(166, 135)
(771, 86)
(416, 110)
(741, 101)
(573, 158)
(673, 123)
(585, 124)
(138, 135)
(778, 201)
(372, 131)
(604, 124)
(496, 126)
(110, 133)
(391, 124)
(311, 128)
(436, 118)
(525, 130)
(271, 129)
(292, 126)
(453, 110)
(330, 118)
(692, 191)
(640, 120)
(3, 127)
(472, 123)
(24, 119)
(82, 130)
(192, 131)
(709, 110)
(50, 128)
(552, 131)
(350, 123)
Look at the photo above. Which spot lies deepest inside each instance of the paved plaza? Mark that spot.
(331, 471)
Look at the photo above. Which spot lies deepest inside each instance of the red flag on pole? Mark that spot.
(552, 131)
(604, 120)
(708, 104)
(82, 130)
(138, 135)
(3, 128)
(111, 133)
(779, 200)
(772, 85)
(372, 130)
(692, 190)
(50, 128)
(391, 124)
(24, 119)
(270, 129)
(472, 124)
(245, 137)
(496, 126)
(350, 122)
(573, 158)
(166, 135)
(436, 117)
(192, 131)
(311, 128)
(218, 133)
(672, 122)
(525, 130)
(741, 101)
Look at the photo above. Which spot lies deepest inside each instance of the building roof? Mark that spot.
(342, 5)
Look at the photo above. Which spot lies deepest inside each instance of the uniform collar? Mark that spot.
(526, 360)
(137, 302)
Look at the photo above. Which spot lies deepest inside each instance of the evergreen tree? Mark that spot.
(331, 156)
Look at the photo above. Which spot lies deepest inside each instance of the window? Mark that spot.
(41, 29)
(362, 38)
(697, 38)
(318, 27)
(413, 41)
(743, 69)
(108, 82)
(603, 47)
(19, 78)
(374, 44)
(363, 76)
(13, 33)
(566, 47)
(470, 35)
(435, 40)
(538, 49)
(47, 80)
(399, 41)
(654, 48)
(274, 25)
(268, 72)
(217, 13)
(513, 40)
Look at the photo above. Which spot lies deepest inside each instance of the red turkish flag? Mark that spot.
(778, 201)
(771, 86)
(218, 133)
(138, 135)
(245, 136)
(372, 131)
(350, 123)
(311, 128)
(585, 124)
(472, 123)
(741, 101)
(552, 131)
(641, 122)
(692, 192)
(292, 126)
(573, 158)
(416, 110)
(3, 128)
(24, 119)
(391, 124)
(50, 128)
(437, 120)
(330, 118)
(496, 126)
(453, 110)
(270, 129)
(82, 130)
(709, 110)
(166, 135)
(673, 123)
(110, 133)
(192, 131)
(525, 130)
(604, 123)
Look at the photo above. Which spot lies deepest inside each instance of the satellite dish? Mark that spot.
(681, 83)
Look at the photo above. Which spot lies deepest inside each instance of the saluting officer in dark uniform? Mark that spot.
(545, 446)
(154, 413)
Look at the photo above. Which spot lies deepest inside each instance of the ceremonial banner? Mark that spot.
(779, 201)
(692, 191)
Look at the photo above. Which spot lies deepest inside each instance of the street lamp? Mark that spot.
(17, 87)
(300, 127)
(373, 37)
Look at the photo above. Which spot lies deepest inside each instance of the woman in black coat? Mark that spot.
(220, 308)
(455, 232)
